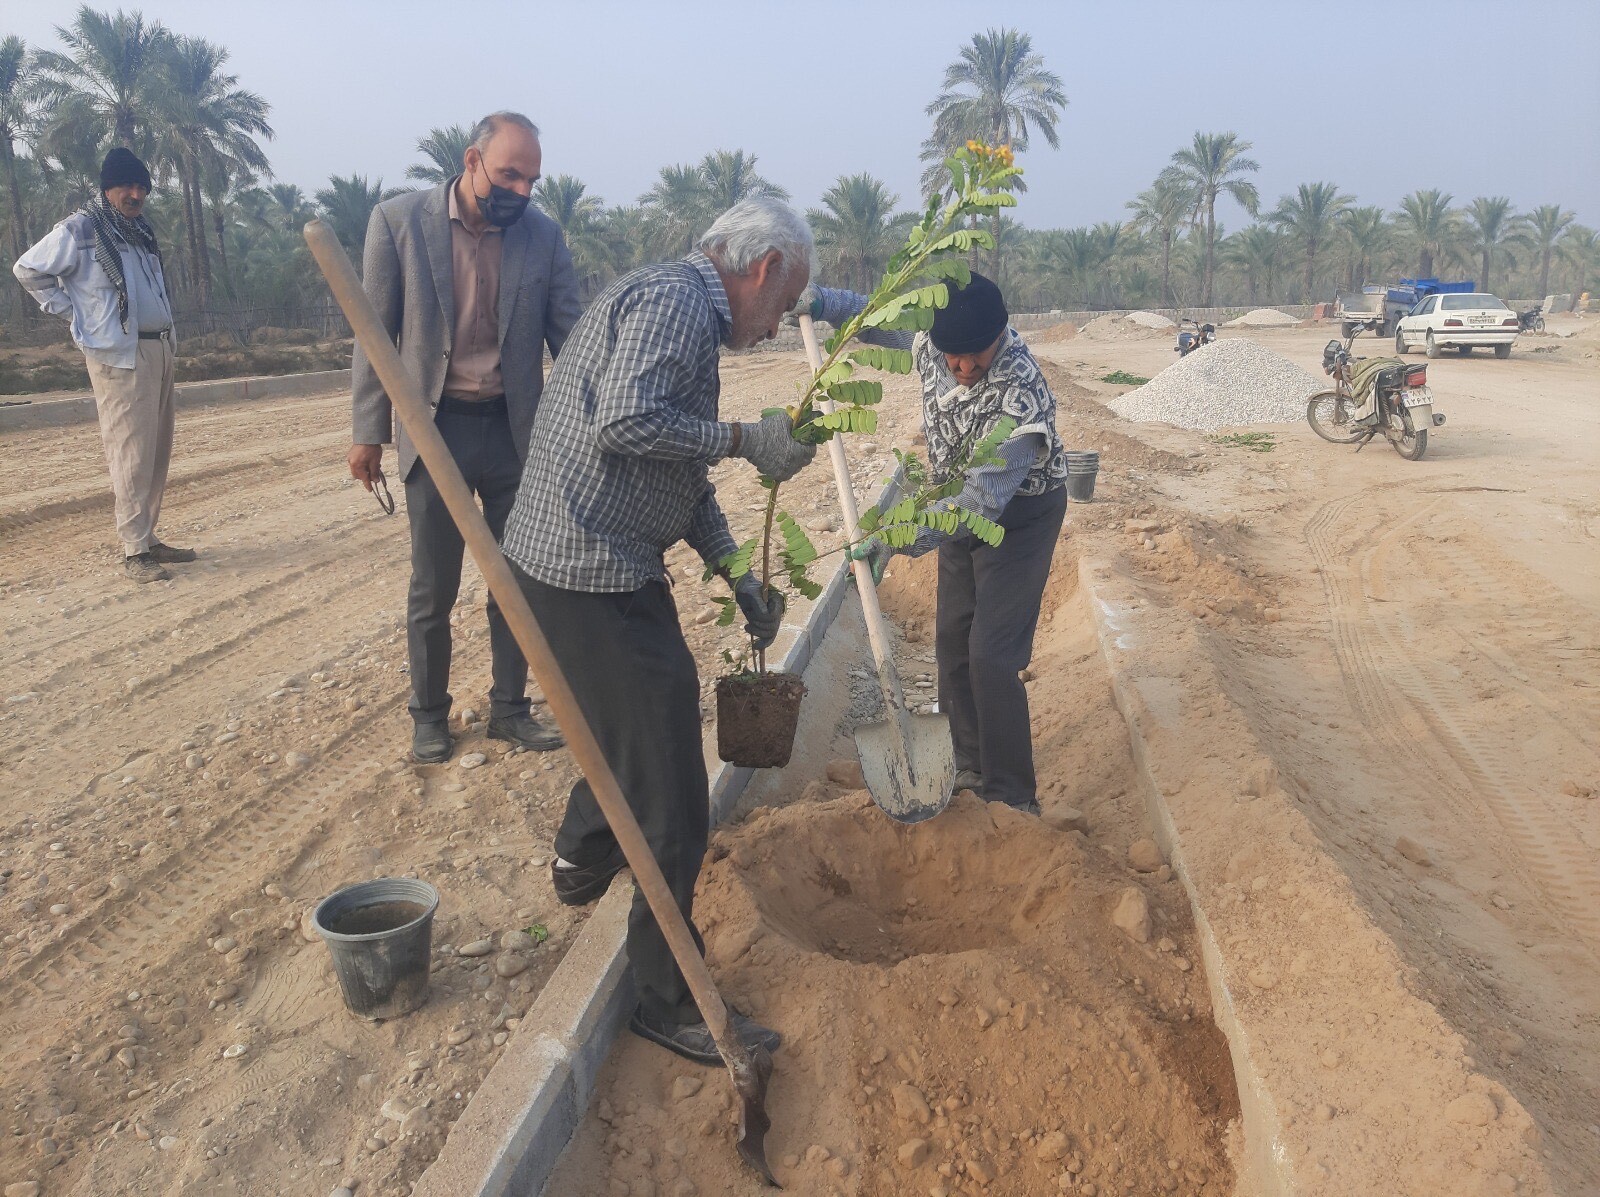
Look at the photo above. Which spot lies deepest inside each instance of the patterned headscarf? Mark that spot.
(110, 226)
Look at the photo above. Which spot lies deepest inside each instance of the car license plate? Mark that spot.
(1417, 397)
(1480, 320)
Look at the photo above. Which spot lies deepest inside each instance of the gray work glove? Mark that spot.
(876, 553)
(809, 304)
(770, 447)
(763, 613)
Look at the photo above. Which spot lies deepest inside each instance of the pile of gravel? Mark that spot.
(1149, 319)
(1262, 318)
(1117, 328)
(1223, 385)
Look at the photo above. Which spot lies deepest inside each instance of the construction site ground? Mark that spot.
(186, 767)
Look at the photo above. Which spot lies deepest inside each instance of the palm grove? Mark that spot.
(233, 231)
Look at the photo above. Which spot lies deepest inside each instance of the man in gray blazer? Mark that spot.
(472, 283)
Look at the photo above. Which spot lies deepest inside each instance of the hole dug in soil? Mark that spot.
(960, 1017)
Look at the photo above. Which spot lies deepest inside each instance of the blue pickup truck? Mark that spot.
(1387, 304)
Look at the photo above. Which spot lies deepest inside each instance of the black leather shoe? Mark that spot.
(969, 779)
(168, 555)
(693, 1041)
(578, 885)
(431, 743)
(526, 732)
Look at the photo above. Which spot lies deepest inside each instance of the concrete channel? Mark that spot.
(19, 413)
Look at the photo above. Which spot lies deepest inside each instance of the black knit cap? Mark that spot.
(121, 168)
(973, 320)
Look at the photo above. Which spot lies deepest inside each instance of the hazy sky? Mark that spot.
(1477, 97)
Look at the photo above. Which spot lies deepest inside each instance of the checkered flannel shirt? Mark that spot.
(624, 435)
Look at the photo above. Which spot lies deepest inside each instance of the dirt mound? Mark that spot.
(1118, 328)
(1055, 334)
(960, 1013)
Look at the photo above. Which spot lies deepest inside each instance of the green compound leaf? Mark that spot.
(835, 373)
(857, 392)
(948, 266)
(850, 419)
(737, 563)
(899, 536)
(994, 199)
(987, 531)
(730, 609)
(877, 357)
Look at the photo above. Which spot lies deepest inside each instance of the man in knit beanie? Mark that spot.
(100, 268)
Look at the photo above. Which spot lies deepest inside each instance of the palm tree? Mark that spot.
(730, 176)
(1580, 249)
(1161, 210)
(1426, 220)
(1309, 219)
(207, 130)
(1212, 165)
(289, 205)
(1255, 251)
(998, 92)
(1546, 226)
(857, 229)
(112, 77)
(443, 149)
(1494, 228)
(347, 205)
(1367, 237)
(19, 120)
(565, 200)
(678, 206)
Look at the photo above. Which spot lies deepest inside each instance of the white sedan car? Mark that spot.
(1459, 322)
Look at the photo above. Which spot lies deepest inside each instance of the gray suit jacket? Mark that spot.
(407, 273)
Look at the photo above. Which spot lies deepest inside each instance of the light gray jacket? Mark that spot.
(406, 269)
(61, 274)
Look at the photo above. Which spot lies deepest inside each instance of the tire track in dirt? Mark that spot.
(1370, 653)
(156, 919)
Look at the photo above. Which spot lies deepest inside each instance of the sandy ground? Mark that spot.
(1413, 642)
(188, 766)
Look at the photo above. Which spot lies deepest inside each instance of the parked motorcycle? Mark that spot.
(1397, 393)
(1192, 335)
(1532, 320)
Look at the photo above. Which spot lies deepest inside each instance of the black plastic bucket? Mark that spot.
(1082, 466)
(380, 934)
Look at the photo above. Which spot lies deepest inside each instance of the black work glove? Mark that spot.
(770, 447)
(763, 613)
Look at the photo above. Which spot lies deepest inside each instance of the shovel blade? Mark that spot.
(917, 785)
(750, 1077)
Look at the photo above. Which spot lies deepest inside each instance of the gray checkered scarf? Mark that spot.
(110, 226)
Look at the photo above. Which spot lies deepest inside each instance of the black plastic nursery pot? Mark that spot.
(757, 715)
(380, 934)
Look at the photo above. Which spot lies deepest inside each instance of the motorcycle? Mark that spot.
(1192, 335)
(1399, 395)
(1532, 320)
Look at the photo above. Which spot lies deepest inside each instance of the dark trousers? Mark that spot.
(479, 437)
(988, 612)
(635, 681)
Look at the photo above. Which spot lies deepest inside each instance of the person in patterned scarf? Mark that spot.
(976, 370)
(101, 269)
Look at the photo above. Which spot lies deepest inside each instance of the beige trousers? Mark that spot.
(137, 414)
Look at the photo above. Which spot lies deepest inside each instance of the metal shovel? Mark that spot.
(908, 760)
(750, 1070)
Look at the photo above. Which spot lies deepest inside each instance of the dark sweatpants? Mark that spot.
(479, 437)
(635, 681)
(988, 611)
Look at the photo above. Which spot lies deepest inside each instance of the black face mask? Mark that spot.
(502, 207)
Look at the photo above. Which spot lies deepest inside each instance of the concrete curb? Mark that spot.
(507, 1140)
(79, 409)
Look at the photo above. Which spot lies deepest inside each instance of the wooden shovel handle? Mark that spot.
(417, 418)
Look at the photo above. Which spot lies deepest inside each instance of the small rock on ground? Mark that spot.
(1132, 915)
(847, 774)
(1145, 856)
(1472, 1109)
(1413, 851)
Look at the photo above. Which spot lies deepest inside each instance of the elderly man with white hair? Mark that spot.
(616, 474)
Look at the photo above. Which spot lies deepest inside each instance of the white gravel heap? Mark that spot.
(1148, 319)
(1262, 318)
(1223, 385)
